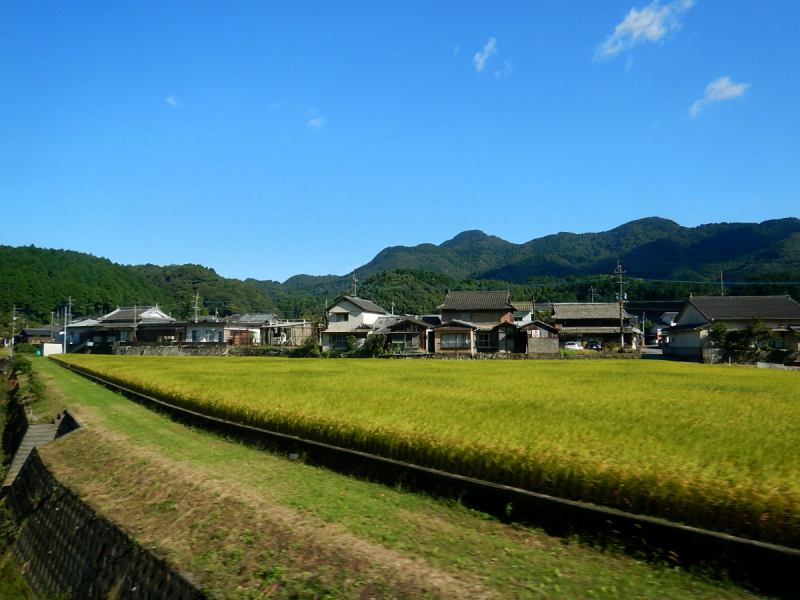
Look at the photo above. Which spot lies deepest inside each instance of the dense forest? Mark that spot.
(663, 262)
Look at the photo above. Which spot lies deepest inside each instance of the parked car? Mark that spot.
(573, 346)
(594, 345)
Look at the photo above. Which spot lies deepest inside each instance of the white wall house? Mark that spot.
(780, 314)
(348, 316)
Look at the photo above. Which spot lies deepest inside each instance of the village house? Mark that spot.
(406, 334)
(249, 329)
(539, 338)
(475, 322)
(349, 316)
(127, 324)
(594, 322)
(689, 335)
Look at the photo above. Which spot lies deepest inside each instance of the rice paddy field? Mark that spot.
(711, 446)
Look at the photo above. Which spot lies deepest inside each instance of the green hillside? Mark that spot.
(39, 280)
(562, 267)
(217, 294)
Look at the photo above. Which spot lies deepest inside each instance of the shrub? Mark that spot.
(375, 345)
(25, 348)
(20, 364)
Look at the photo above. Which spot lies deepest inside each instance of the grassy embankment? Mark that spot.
(715, 447)
(251, 525)
(12, 585)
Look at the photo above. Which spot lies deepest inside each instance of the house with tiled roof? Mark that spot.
(476, 322)
(349, 316)
(585, 322)
(406, 334)
(780, 314)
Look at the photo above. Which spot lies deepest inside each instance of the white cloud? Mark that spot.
(488, 50)
(719, 89)
(172, 101)
(456, 49)
(505, 71)
(648, 24)
(315, 123)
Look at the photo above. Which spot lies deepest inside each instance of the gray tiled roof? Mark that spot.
(365, 305)
(384, 324)
(477, 301)
(37, 331)
(595, 310)
(594, 330)
(258, 318)
(126, 315)
(746, 307)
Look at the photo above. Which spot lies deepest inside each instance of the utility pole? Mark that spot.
(67, 318)
(52, 337)
(13, 329)
(355, 286)
(196, 308)
(134, 323)
(721, 286)
(591, 291)
(621, 303)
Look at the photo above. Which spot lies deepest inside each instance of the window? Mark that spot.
(195, 335)
(338, 341)
(485, 317)
(409, 340)
(339, 317)
(451, 341)
(487, 340)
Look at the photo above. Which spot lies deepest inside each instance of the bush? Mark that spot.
(20, 364)
(25, 348)
(375, 345)
(311, 347)
(611, 346)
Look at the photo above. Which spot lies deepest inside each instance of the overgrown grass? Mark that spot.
(512, 562)
(714, 447)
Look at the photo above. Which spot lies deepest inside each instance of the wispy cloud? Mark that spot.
(719, 89)
(172, 101)
(275, 106)
(456, 48)
(505, 71)
(651, 23)
(315, 123)
(482, 57)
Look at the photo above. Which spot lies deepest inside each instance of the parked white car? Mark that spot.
(573, 346)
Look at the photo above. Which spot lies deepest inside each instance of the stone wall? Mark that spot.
(67, 549)
(170, 349)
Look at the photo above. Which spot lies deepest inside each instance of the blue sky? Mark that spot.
(267, 139)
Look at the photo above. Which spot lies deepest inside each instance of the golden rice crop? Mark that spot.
(715, 447)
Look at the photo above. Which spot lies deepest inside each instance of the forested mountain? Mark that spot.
(39, 280)
(660, 257)
(217, 294)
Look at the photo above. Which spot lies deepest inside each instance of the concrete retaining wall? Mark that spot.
(68, 549)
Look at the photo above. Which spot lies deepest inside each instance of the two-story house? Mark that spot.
(349, 316)
(476, 322)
